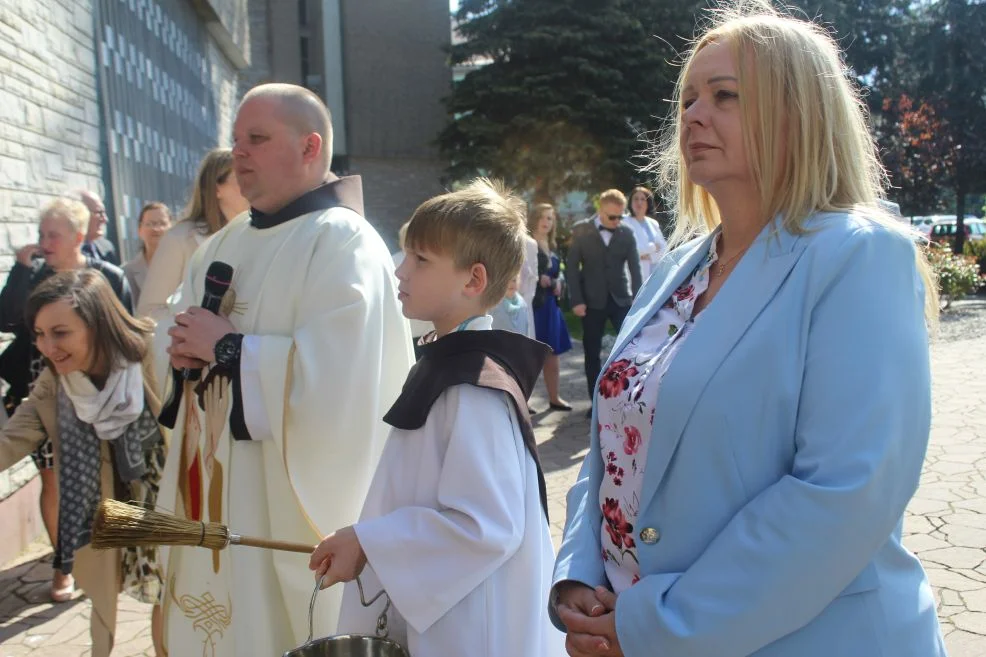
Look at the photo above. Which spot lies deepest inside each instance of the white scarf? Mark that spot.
(113, 408)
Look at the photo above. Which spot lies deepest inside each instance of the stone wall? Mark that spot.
(49, 117)
(49, 135)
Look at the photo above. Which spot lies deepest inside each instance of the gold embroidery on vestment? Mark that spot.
(206, 615)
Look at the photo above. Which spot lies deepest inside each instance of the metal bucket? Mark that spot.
(350, 645)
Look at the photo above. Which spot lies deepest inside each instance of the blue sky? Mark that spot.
(453, 5)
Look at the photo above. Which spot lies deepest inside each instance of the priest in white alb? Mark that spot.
(279, 435)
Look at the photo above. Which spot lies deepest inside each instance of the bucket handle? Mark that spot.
(381, 619)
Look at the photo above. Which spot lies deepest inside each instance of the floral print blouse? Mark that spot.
(625, 406)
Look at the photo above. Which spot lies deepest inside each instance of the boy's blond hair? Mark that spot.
(613, 196)
(482, 223)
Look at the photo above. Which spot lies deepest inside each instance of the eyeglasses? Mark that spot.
(614, 217)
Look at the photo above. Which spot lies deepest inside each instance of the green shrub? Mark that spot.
(977, 250)
(958, 275)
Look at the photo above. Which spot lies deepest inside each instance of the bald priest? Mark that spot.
(279, 434)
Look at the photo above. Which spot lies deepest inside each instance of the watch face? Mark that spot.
(226, 350)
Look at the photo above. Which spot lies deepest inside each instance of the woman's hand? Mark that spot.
(590, 634)
(558, 288)
(545, 280)
(339, 557)
(579, 597)
(25, 253)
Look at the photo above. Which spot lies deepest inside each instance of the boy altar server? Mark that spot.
(454, 527)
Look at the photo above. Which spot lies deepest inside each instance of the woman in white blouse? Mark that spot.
(762, 421)
(650, 241)
(215, 200)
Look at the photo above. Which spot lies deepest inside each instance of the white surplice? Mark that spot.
(325, 352)
(453, 530)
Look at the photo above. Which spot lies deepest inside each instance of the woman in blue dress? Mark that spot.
(549, 324)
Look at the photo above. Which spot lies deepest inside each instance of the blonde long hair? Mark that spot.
(534, 218)
(203, 208)
(797, 99)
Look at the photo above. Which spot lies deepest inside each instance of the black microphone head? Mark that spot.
(217, 278)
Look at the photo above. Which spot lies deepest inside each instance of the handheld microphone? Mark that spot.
(217, 280)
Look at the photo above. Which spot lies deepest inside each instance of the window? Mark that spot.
(303, 13)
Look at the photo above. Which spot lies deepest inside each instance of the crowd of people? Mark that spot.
(756, 431)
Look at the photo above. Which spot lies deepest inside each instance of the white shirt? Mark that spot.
(625, 402)
(607, 235)
(650, 242)
(529, 281)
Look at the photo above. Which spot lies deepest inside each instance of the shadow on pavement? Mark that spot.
(25, 600)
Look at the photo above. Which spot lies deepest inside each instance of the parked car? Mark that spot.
(944, 229)
(924, 224)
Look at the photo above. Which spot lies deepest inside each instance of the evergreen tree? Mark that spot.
(569, 87)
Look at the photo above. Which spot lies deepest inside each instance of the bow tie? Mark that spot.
(611, 230)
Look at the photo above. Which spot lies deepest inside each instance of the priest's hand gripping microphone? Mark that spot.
(217, 280)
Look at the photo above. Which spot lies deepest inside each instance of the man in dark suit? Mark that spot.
(96, 245)
(601, 253)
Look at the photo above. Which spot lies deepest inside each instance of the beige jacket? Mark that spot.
(167, 270)
(96, 572)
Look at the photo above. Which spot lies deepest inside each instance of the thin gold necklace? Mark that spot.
(724, 264)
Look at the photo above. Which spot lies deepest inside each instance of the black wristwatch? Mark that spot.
(227, 351)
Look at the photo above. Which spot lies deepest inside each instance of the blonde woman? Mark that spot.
(215, 200)
(762, 421)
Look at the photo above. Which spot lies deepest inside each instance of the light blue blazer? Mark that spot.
(788, 437)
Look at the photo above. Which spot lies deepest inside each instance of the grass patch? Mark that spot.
(574, 325)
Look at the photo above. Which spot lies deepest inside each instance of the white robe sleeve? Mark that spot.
(429, 559)
(251, 385)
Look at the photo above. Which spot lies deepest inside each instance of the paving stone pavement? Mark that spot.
(945, 523)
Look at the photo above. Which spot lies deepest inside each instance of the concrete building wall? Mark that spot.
(396, 74)
(394, 187)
